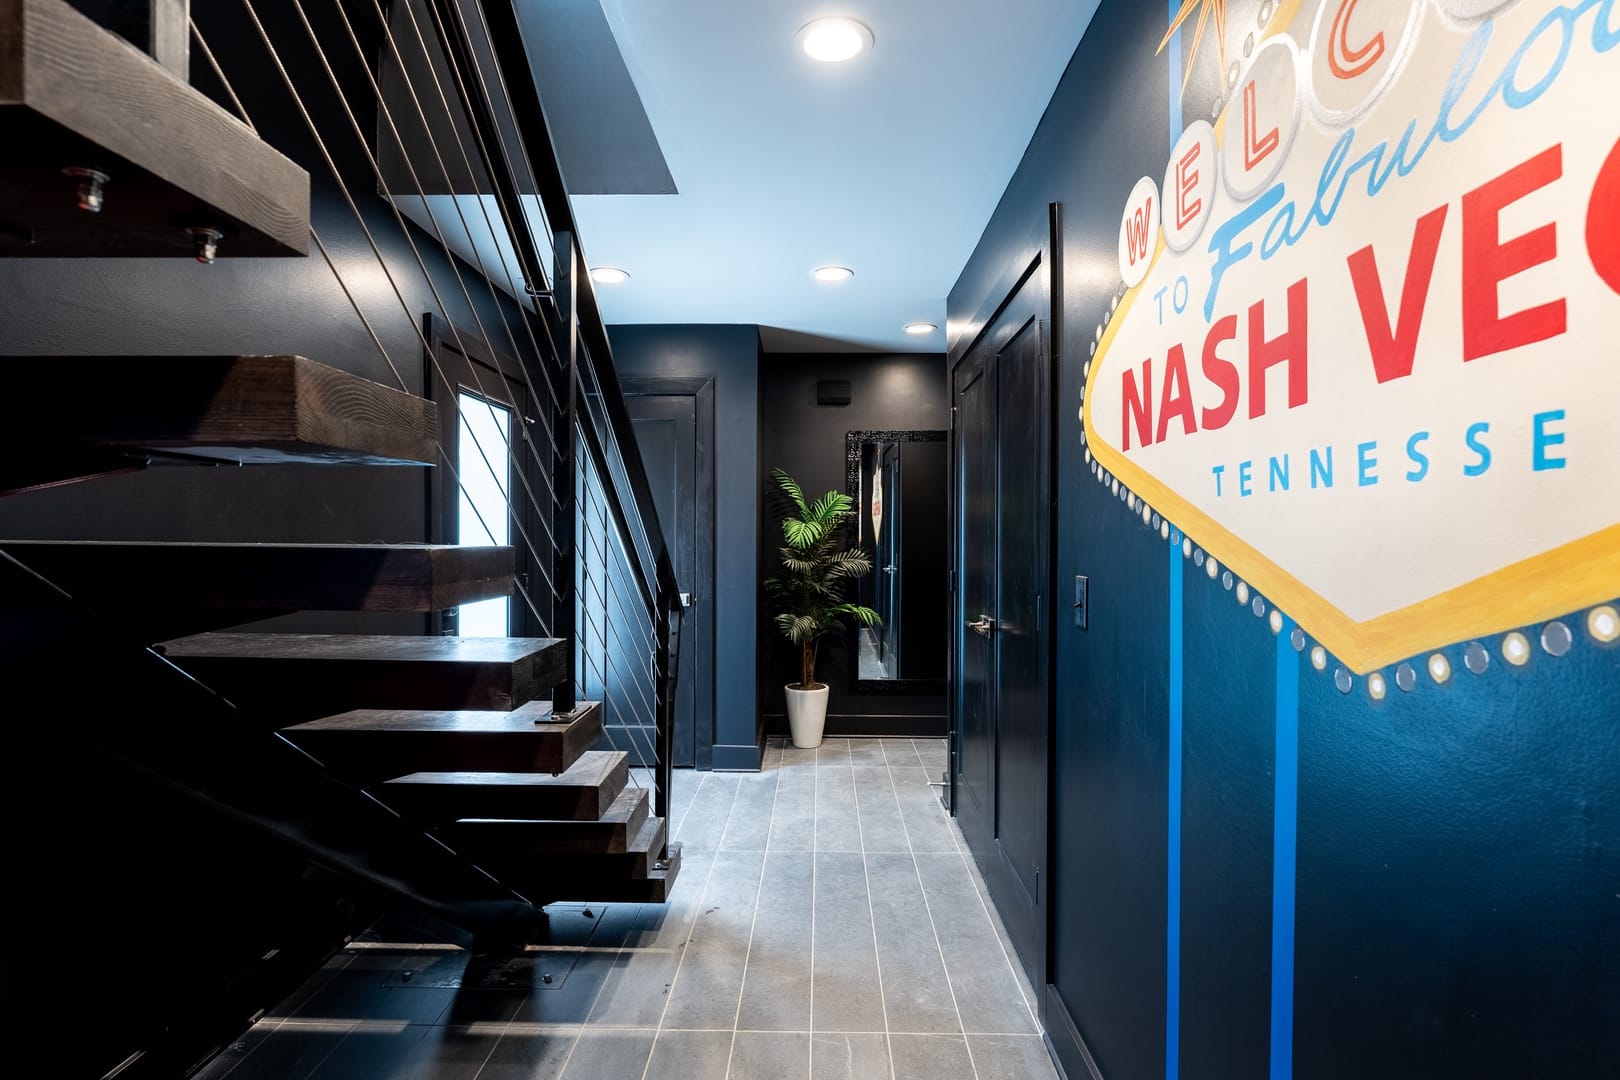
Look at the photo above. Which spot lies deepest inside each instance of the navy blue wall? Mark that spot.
(902, 392)
(1457, 897)
(730, 356)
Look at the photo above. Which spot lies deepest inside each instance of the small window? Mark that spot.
(485, 462)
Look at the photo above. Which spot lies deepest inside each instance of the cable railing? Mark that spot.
(427, 129)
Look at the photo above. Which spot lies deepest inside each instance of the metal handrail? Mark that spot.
(583, 356)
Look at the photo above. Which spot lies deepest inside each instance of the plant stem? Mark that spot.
(807, 666)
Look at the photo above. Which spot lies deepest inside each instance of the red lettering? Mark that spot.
(1255, 150)
(1177, 399)
(1288, 347)
(1223, 373)
(1488, 260)
(1186, 183)
(1138, 405)
(1603, 221)
(1136, 232)
(1394, 349)
(1357, 61)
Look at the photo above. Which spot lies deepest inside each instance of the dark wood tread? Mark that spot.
(301, 676)
(74, 94)
(584, 791)
(271, 577)
(655, 888)
(541, 875)
(250, 410)
(611, 834)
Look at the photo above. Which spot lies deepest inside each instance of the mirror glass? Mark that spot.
(898, 480)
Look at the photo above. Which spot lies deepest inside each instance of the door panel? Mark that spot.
(1020, 638)
(666, 431)
(976, 497)
(1003, 500)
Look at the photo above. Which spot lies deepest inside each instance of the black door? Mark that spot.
(674, 431)
(1002, 391)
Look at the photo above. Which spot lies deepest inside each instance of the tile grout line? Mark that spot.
(697, 913)
(871, 915)
(944, 967)
(603, 988)
(815, 842)
(758, 892)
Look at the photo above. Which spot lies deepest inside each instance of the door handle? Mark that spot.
(890, 569)
(982, 626)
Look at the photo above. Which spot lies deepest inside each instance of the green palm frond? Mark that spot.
(816, 567)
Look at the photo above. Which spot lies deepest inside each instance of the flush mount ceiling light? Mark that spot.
(833, 273)
(920, 328)
(609, 275)
(832, 41)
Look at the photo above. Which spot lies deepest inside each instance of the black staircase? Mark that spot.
(452, 782)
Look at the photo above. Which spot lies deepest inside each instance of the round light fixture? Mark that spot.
(609, 275)
(920, 328)
(832, 41)
(833, 273)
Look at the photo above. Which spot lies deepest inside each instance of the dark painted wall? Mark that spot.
(138, 859)
(887, 392)
(730, 356)
(1457, 908)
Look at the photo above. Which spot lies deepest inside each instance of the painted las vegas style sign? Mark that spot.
(1369, 351)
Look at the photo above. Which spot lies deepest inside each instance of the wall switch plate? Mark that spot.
(1082, 604)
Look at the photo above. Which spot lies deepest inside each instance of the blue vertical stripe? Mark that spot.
(1172, 973)
(1284, 852)
(1173, 907)
(1172, 963)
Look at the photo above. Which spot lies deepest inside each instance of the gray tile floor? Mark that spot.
(827, 924)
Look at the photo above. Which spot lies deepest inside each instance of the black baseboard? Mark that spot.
(901, 727)
(1063, 1041)
(737, 757)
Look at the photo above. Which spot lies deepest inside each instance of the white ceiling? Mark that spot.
(890, 164)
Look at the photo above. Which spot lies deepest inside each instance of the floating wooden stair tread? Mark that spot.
(584, 791)
(324, 673)
(73, 95)
(544, 874)
(655, 888)
(508, 839)
(271, 577)
(373, 745)
(246, 410)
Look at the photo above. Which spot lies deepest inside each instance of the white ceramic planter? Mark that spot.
(807, 715)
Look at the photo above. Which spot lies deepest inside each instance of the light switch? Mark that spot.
(1082, 606)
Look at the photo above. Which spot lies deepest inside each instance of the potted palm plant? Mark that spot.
(808, 593)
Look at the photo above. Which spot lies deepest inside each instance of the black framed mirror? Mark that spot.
(899, 481)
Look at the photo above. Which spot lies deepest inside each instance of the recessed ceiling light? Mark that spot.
(920, 328)
(833, 273)
(609, 275)
(833, 41)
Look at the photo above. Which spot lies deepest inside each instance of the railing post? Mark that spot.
(565, 557)
(664, 703)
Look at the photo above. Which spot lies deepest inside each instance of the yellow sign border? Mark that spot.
(1573, 575)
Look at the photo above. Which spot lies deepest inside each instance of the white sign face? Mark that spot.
(1189, 185)
(1139, 231)
(1382, 385)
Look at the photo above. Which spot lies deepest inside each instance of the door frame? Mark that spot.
(702, 390)
(1040, 261)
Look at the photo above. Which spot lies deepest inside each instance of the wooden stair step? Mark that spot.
(249, 410)
(302, 676)
(75, 95)
(655, 888)
(584, 791)
(271, 577)
(545, 874)
(610, 834)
